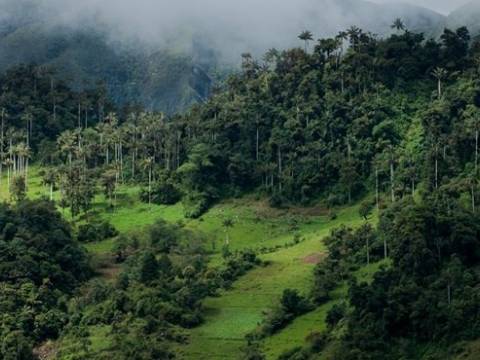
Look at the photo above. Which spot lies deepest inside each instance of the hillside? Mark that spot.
(171, 75)
(322, 203)
(466, 15)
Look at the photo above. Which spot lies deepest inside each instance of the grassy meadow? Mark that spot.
(289, 241)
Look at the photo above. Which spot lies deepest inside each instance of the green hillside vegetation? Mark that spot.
(247, 227)
(164, 79)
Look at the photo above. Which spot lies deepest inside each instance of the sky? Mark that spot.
(441, 6)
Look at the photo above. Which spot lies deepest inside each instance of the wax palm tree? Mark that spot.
(147, 165)
(440, 74)
(398, 24)
(306, 36)
(227, 225)
(66, 144)
(50, 179)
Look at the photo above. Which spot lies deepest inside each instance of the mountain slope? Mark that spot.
(467, 15)
(174, 72)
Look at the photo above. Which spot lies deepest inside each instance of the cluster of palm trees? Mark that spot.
(117, 152)
(15, 150)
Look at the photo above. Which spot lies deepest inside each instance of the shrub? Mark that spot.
(96, 231)
(164, 191)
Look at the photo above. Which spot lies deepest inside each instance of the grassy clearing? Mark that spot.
(238, 311)
(295, 334)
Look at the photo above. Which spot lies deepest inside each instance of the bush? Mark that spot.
(164, 191)
(196, 204)
(292, 304)
(96, 231)
(336, 313)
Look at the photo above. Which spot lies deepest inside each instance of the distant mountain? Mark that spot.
(171, 77)
(467, 15)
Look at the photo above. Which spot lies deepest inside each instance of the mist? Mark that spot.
(230, 27)
(441, 6)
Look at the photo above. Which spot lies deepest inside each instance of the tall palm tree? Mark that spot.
(66, 144)
(227, 224)
(398, 24)
(2, 140)
(440, 74)
(306, 36)
(50, 179)
(147, 165)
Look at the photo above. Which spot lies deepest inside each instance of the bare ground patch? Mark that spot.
(314, 258)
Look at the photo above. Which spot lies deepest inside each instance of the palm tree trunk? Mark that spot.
(368, 251)
(392, 181)
(150, 186)
(258, 143)
(473, 197)
(476, 151)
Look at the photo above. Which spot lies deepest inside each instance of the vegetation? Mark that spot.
(40, 266)
(303, 130)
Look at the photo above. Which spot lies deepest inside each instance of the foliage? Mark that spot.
(40, 265)
(95, 231)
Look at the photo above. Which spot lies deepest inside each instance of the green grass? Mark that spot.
(295, 334)
(98, 342)
(238, 311)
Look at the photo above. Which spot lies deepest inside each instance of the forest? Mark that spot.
(362, 151)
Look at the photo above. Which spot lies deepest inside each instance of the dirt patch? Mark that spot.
(110, 272)
(318, 210)
(46, 351)
(314, 258)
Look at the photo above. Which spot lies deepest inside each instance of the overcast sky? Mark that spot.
(442, 6)
(229, 26)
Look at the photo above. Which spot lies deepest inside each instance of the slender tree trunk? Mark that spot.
(2, 144)
(150, 187)
(258, 144)
(476, 151)
(51, 191)
(473, 197)
(79, 121)
(385, 248)
(26, 173)
(368, 251)
(377, 195)
(279, 168)
(392, 181)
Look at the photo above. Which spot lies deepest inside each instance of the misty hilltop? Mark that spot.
(467, 15)
(165, 56)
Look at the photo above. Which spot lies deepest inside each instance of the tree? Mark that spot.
(306, 36)
(149, 268)
(109, 183)
(147, 165)
(50, 179)
(440, 74)
(365, 209)
(18, 190)
(227, 224)
(398, 24)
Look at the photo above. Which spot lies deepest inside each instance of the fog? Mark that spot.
(228, 26)
(441, 6)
